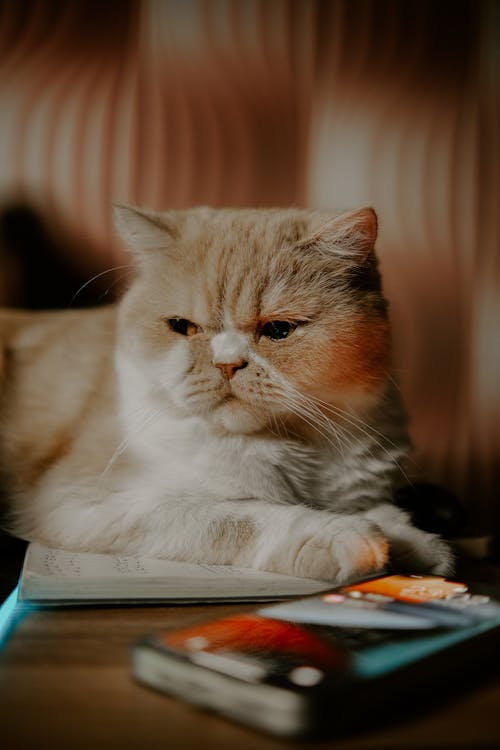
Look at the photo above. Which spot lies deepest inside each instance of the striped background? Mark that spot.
(172, 103)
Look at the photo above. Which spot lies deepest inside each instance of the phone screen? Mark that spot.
(358, 631)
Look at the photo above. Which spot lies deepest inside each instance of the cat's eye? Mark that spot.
(277, 329)
(182, 326)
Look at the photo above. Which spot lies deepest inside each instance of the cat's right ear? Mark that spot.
(143, 231)
(349, 237)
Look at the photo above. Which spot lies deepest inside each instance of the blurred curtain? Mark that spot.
(171, 103)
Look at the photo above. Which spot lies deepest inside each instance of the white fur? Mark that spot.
(229, 347)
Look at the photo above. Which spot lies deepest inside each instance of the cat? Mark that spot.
(236, 406)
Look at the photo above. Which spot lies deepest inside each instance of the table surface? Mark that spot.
(65, 682)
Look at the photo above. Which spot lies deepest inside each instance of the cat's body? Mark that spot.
(236, 407)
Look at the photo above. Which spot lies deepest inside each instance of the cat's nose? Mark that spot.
(230, 352)
(228, 369)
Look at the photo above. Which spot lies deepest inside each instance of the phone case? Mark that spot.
(315, 665)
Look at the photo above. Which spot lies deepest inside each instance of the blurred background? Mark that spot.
(328, 104)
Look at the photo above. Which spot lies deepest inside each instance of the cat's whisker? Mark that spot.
(113, 284)
(275, 421)
(353, 420)
(368, 451)
(284, 388)
(345, 432)
(354, 439)
(316, 415)
(371, 434)
(367, 431)
(393, 381)
(316, 408)
(310, 418)
(123, 445)
(97, 276)
(300, 413)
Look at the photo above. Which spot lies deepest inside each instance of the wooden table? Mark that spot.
(65, 683)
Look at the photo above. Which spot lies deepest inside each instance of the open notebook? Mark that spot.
(52, 576)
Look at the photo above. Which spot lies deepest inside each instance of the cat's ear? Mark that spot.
(142, 230)
(350, 236)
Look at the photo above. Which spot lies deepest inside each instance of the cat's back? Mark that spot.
(41, 349)
(56, 368)
(57, 386)
(32, 334)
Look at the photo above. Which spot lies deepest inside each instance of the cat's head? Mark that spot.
(256, 319)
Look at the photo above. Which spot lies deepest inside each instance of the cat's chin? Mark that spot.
(235, 419)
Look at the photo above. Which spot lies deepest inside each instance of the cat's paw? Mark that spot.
(415, 551)
(335, 549)
(411, 550)
(355, 549)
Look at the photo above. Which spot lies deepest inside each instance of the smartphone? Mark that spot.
(314, 666)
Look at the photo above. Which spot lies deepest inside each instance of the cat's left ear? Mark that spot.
(143, 230)
(350, 236)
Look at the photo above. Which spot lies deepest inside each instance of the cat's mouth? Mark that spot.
(226, 395)
(235, 416)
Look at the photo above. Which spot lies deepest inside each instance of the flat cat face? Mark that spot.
(256, 319)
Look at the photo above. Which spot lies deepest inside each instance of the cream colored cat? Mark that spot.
(237, 405)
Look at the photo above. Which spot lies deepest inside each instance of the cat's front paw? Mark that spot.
(411, 550)
(330, 548)
(415, 551)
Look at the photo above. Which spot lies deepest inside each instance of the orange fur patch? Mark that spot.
(343, 364)
(360, 356)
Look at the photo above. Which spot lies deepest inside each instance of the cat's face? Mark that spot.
(256, 319)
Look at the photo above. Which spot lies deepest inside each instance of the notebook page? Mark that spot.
(48, 562)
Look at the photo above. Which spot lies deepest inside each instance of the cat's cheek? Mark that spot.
(349, 367)
(170, 371)
(361, 358)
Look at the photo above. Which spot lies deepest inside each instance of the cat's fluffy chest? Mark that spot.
(189, 460)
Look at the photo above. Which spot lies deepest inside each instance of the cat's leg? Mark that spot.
(290, 539)
(410, 549)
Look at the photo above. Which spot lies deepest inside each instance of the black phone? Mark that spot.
(316, 665)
